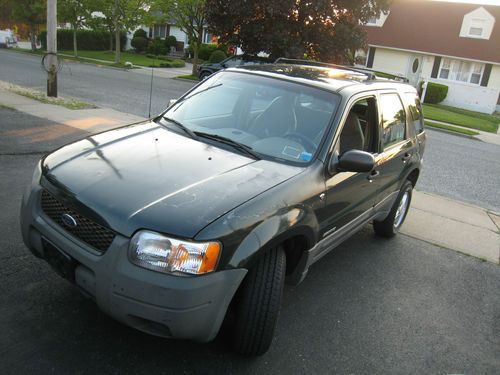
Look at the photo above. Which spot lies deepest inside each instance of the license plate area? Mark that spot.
(60, 262)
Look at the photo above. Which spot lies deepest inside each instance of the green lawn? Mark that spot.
(462, 117)
(108, 57)
(134, 58)
(451, 128)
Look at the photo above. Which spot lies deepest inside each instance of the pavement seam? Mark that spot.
(442, 246)
(455, 219)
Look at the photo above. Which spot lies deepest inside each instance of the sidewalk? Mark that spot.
(91, 120)
(438, 220)
(482, 136)
(454, 225)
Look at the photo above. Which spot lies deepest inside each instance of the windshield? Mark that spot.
(273, 118)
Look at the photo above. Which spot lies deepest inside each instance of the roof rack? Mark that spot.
(369, 73)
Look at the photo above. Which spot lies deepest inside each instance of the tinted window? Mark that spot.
(417, 117)
(235, 61)
(393, 119)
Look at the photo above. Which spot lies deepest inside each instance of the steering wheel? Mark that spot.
(309, 145)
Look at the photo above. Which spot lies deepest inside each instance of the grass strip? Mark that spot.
(450, 128)
(41, 97)
(189, 76)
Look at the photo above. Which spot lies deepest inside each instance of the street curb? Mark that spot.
(428, 127)
(185, 80)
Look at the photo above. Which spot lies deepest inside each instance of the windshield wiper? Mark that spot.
(182, 126)
(228, 141)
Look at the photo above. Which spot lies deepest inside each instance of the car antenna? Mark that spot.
(151, 87)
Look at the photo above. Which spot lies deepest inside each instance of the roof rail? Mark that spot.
(369, 73)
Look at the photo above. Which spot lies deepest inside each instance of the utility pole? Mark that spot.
(52, 48)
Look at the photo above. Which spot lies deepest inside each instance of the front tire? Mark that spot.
(393, 222)
(259, 303)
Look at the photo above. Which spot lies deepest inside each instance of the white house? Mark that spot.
(455, 44)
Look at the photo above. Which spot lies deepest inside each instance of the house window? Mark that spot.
(462, 71)
(160, 31)
(476, 28)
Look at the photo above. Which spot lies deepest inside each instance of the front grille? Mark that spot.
(86, 230)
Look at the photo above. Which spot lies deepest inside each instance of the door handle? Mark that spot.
(406, 157)
(374, 174)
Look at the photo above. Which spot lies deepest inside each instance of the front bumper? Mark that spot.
(159, 304)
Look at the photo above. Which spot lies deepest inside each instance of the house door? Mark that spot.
(414, 69)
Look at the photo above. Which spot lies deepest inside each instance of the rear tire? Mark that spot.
(258, 304)
(390, 226)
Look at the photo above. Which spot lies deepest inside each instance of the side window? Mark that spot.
(417, 117)
(236, 61)
(360, 127)
(393, 119)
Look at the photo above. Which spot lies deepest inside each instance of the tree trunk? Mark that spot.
(117, 46)
(32, 37)
(196, 48)
(111, 33)
(75, 49)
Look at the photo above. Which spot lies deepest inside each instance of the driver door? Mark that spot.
(350, 196)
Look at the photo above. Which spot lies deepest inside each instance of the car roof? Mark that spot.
(336, 79)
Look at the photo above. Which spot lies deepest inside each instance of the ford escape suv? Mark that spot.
(175, 223)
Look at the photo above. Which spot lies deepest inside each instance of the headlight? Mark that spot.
(169, 255)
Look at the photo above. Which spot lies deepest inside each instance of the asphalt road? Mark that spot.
(461, 168)
(456, 167)
(123, 90)
(372, 306)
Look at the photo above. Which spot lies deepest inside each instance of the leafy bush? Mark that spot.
(207, 49)
(157, 47)
(139, 43)
(217, 56)
(435, 93)
(140, 33)
(87, 40)
(170, 41)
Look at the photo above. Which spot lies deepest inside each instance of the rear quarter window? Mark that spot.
(393, 119)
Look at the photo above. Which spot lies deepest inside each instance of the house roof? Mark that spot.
(434, 27)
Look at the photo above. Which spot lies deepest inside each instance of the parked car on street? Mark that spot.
(205, 70)
(199, 216)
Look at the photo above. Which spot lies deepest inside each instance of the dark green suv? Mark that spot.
(204, 212)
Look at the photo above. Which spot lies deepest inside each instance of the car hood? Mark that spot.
(144, 176)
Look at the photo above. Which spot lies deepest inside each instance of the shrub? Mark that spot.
(87, 40)
(140, 33)
(157, 47)
(435, 93)
(217, 56)
(139, 43)
(170, 41)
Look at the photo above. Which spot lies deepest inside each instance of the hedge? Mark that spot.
(217, 56)
(207, 49)
(86, 40)
(435, 93)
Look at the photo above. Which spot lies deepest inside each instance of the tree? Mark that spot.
(329, 30)
(189, 16)
(77, 13)
(30, 12)
(123, 15)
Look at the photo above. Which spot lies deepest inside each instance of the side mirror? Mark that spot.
(352, 161)
(223, 65)
(171, 102)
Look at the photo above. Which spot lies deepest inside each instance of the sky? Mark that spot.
(486, 2)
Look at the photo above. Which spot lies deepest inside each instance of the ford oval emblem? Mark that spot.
(69, 220)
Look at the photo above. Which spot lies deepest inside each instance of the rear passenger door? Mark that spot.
(396, 147)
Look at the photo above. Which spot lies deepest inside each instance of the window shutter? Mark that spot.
(371, 56)
(435, 67)
(486, 75)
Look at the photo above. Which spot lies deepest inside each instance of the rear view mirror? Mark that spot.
(352, 161)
